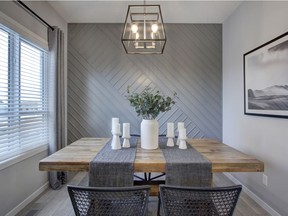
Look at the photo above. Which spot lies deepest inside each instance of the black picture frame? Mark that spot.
(266, 79)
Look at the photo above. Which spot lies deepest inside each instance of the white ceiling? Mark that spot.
(173, 11)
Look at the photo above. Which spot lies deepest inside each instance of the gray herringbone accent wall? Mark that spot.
(99, 72)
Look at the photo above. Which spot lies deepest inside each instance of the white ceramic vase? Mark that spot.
(149, 134)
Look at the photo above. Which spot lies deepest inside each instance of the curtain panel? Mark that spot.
(56, 100)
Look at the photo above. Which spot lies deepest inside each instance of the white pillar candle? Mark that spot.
(126, 130)
(182, 133)
(170, 129)
(117, 128)
(114, 122)
(180, 126)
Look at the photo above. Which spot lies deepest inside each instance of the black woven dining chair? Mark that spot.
(109, 201)
(198, 201)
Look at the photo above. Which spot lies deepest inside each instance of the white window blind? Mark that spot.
(23, 95)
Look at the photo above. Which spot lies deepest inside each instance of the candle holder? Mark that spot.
(126, 142)
(182, 143)
(170, 134)
(170, 141)
(114, 127)
(178, 141)
(126, 135)
(180, 126)
(182, 139)
(115, 144)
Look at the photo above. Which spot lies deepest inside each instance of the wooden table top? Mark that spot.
(77, 156)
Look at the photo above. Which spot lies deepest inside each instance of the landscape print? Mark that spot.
(266, 79)
(271, 98)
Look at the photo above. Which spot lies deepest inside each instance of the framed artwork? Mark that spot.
(266, 79)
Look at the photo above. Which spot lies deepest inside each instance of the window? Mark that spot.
(23, 95)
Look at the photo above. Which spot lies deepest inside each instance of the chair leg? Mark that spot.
(159, 205)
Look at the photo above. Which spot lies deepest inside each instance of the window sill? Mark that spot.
(9, 162)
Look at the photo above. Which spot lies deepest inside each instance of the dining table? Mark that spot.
(78, 155)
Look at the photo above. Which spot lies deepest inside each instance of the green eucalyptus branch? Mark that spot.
(149, 104)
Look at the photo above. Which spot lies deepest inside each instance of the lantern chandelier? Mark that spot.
(143, 31)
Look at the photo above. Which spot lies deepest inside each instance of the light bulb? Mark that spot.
(134, 28)
(154, 28)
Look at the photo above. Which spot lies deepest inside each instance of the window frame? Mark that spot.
(14, 75)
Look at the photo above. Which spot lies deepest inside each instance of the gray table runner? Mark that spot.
(186, 167)
(113, 168)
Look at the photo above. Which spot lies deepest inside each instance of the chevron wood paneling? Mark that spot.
(99, 72)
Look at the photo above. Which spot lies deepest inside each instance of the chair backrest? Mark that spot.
(107, 201)
(199, 201)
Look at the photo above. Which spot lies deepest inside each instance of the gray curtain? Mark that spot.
(57, 100)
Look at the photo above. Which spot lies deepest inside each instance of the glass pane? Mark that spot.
(4, 67)
(33, 125)
(30, 78)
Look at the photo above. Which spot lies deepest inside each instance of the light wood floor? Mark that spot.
(57, 202)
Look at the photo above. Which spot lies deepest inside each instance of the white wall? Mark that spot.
(22, 180)
(252, 24)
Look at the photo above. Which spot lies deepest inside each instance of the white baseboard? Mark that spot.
(29, 199)
(257, 199)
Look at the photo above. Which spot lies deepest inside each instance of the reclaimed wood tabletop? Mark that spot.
(77, 156)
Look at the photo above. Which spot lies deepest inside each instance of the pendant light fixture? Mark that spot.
(143, 31)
